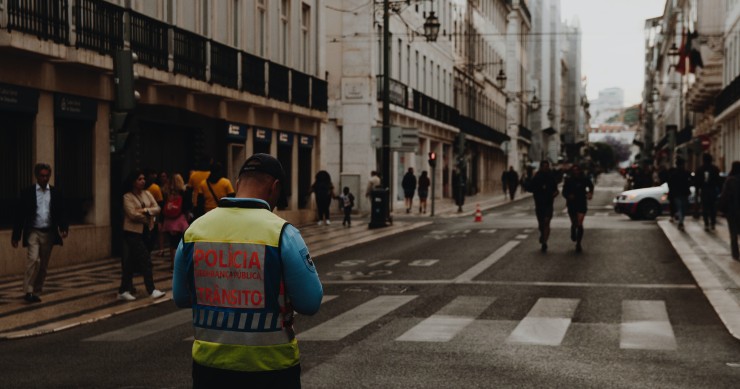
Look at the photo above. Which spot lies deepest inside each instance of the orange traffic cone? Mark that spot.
(478, 213)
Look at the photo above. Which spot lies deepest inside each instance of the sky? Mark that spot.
(613, 45)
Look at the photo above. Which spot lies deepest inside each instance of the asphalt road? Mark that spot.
(454, 304)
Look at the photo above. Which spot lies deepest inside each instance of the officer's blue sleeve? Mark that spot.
(182, 275)
(301, 278)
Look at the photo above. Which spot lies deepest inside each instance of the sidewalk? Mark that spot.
(86, 293)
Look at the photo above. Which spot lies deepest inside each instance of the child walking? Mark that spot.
(348, 201)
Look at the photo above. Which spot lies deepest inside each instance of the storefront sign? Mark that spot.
(285, 138)
(262, 135)
(236, 132)
(305, 141)
(75, 107)
(18, 99)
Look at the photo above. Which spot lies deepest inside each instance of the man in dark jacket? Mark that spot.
(679, 189)
(42, 223)
(409, 188)
(708, 187)
(544, 189)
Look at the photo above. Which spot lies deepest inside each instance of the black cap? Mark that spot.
(264, 163)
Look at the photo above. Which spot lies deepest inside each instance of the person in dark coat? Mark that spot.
(577, 190)
(729, 203)
(679, 188)
(323, 191)
(512, 182)
(544, 189)
(409, 188)
(707, 184)
(41, 221)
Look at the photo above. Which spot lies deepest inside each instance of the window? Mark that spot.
(16, 166)
(408, 64)
(261, 28)
(399, 76)
(285, 31)
(306, 38)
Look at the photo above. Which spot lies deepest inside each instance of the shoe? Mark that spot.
(712, 227)
(544, 248)
(31, 298)
(157, 294)
(321, 223)
(126, 296)
(579, 248)
(408, 210)
(328, 222)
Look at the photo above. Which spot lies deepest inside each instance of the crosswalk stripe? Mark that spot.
(145, 328)
(354, 319)
(546, 323)
(645, 326)
(448, 321)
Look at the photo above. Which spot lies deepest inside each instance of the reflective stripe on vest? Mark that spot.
(238, 295)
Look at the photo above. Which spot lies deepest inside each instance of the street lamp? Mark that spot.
(431, 30)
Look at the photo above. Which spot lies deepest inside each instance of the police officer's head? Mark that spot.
(262, 176)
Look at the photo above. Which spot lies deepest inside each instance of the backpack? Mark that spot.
(173, 206)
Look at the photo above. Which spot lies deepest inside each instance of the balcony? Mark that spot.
(473, 127)
(99, 26)
(729, 96)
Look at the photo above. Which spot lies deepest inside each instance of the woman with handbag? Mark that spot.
(176, 206)
(139, 208)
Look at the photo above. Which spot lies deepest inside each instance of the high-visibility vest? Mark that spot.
(239, 309)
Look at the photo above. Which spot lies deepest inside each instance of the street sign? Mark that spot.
(404, 139)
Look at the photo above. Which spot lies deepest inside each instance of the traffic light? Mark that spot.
(124, 78)
(432, 159)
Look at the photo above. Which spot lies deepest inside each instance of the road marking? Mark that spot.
(143, 329)
(423, 262)
(601, 214)
(328, 298)
(519, 214)
(512, 283)
(521, 237)
(489, 261)
(486, 231)
(645, 326)
(356, 318)
(546, 323)
(448, 321)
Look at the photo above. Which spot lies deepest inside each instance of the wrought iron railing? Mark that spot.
(224, 65)
(398, 92)
(300, 89)
(279, 82)
(189, 54)
(253, 74)
(729, 95)
(319, 94)
(432, 108)
(473, 127)
(149, 40)
(99, 26)
(42, 18)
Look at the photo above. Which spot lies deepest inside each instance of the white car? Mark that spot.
(645, 203)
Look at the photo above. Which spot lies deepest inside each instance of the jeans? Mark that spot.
(681, 202)
(709, 211)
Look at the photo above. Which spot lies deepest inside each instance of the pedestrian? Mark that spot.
(544, 189)
(577, 190)
(277, 278)
(199, 174)
(213, 188)
(323, 191)
(459, 184)
(679, 188)
(505, 182)
(512, 182)
(174, 213)
(424, 184)
(40, 222)
(139, 208)
(372, 183)
(348, 201)
(729, 204)
(409, 188)
(707, 184)
(164, 183)
(527, 178)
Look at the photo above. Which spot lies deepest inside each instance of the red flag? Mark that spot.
(682, 55)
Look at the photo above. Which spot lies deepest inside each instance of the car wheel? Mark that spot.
(648, 209)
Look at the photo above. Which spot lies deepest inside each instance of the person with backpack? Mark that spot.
(176, 206)
(213, 188)
(348, 202)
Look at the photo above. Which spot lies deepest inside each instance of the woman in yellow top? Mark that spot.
(213, 188)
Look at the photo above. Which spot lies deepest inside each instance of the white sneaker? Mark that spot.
(157, 294)
(321, 222)
(126, 296)
(328, 222)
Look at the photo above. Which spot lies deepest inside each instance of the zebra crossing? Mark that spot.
(644, 325)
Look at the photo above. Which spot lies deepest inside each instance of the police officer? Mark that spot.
(244, 271)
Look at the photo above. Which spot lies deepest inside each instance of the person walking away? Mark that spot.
(544, 189)
(708, 188)
(40, 222)
(280, 278)
(323, 191)
(409, 188)
(139, 208)
(348, 201)
(424, 184)
(505, 182)
(577, 190)
(679, 188)
(198, 175)
(174, 213)
(512, 182)
(729, 203)
(213, 188)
